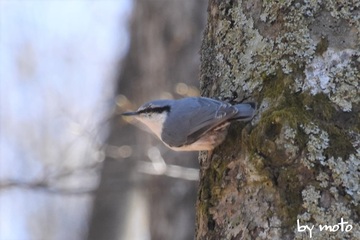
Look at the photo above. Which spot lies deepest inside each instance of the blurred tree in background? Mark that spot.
(147, 190)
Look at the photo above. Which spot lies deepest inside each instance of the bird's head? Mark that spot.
(152, 114)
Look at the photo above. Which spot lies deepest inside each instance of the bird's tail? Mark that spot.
(246, 111)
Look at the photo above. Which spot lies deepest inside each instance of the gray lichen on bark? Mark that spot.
(299, 158)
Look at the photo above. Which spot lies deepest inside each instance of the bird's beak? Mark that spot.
(130, 113)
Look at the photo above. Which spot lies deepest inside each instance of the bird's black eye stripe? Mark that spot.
(155, 109)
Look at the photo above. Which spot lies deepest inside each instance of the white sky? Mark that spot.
(58, 60)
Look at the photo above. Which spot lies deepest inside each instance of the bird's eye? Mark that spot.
(146, 110)
(152, 109)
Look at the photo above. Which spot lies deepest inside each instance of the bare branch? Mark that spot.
(44, 186)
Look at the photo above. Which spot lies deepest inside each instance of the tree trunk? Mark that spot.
(297, 163)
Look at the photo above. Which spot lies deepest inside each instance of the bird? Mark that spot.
(191, 123)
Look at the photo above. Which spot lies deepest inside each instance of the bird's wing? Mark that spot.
(194, 119)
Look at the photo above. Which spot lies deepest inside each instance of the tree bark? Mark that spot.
(297, 162)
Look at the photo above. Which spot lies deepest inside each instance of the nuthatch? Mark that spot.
(191, 124)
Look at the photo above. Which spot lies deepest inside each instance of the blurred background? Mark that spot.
(70, 166)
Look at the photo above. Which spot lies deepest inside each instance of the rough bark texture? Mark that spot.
(299, 158)
(165, 40)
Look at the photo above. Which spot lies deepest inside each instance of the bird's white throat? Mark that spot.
(154, 122)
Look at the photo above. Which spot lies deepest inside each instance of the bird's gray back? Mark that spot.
(190, 118)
